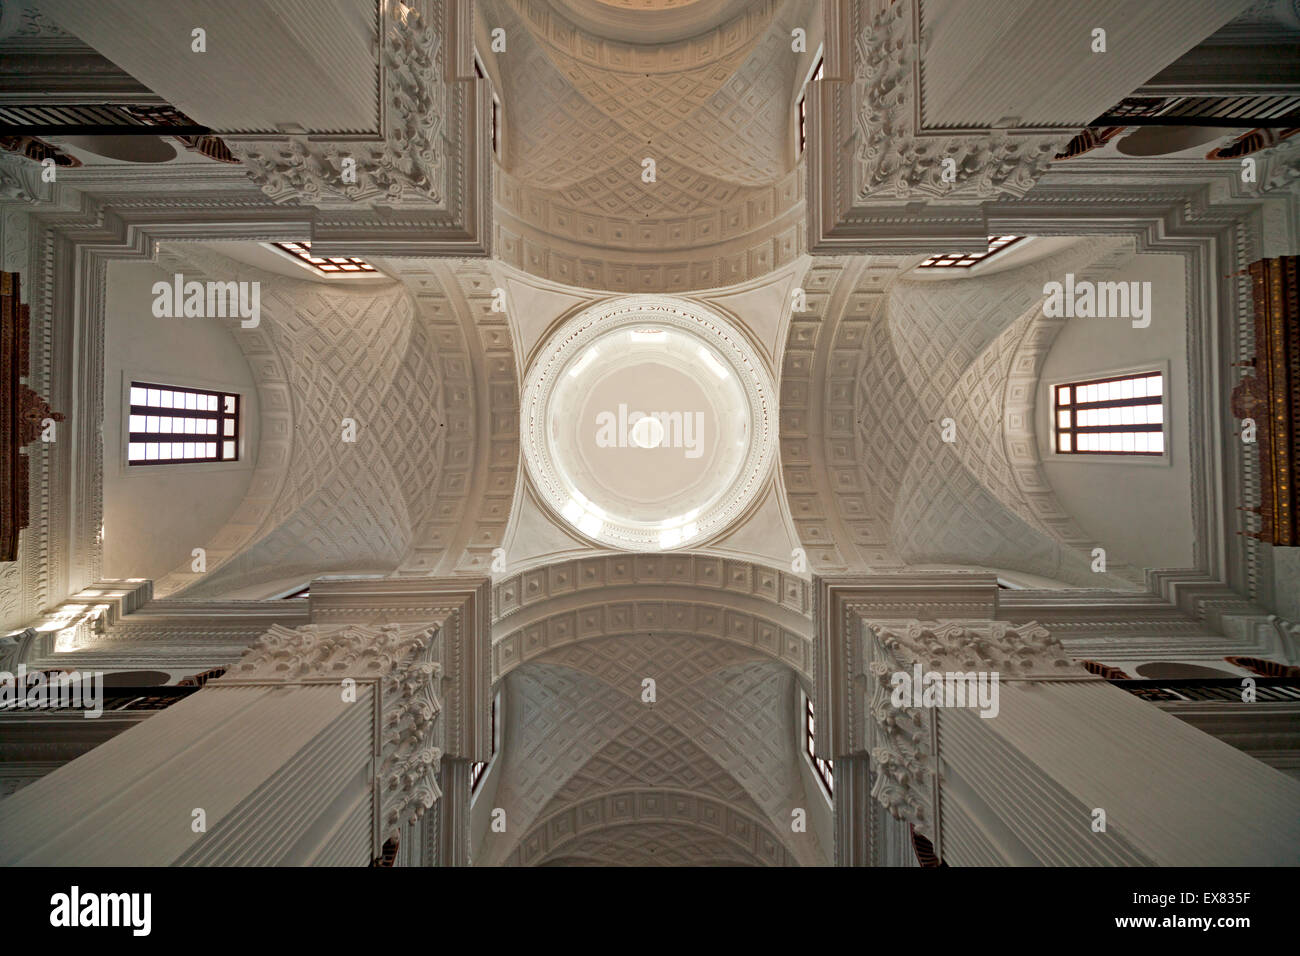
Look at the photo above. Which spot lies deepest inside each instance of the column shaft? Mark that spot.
(1022, 787)
(282, 775)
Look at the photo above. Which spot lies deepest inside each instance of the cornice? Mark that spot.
(867, 150)
(422, 187)
(463, 606)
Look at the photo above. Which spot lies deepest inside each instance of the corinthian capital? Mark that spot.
(1012, 651)
(401, 662)
(897, 161)
(407, 166)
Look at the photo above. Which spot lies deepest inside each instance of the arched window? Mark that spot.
(198, 680)
(1264, 668)
(816, 74)
(924, 850)
(387, 854)
(325, 265)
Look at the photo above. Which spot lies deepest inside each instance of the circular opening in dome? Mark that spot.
(648, 433)
(649, 423)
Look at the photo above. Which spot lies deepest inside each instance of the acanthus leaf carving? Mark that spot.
(902, 781)
(1012, 651)
(901, 739)
(895, 161)
(406, 167)
(401, 661)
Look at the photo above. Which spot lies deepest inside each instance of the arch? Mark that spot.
(565, 603)
(723, 208)
(868, 481)
(721, 725)
(549, 837)
(288, 522)
(275, 447)
(453, 457)
(842, 522)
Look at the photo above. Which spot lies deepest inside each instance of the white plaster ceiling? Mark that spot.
(714, 110)
(721, 732)
(872, 369)
(648, 423)
(649, 21)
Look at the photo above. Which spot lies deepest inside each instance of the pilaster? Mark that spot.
(1055, 767)
(322, 742)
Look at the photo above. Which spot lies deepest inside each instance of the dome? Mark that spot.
(649, 423)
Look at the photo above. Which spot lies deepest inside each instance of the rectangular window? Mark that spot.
(330, 266)
(170, 425)
(803, 104)
(476, 770)
(1123, 415)
(964, 260)
(825, 768)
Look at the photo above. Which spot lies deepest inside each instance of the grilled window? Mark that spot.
(964, 260)
(1111, 416)
(825, 768)
(476, 770)
(325, 265)
(170, 424)
(803, 104)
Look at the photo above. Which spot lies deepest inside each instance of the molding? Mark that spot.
(480, 467)
(1194, 209)
(869, 156)
(751, 837)
(423, 187)
(698, 323)
(401, 663)
(585, 599)
(462, 605)
(71, 246)
(842, 604)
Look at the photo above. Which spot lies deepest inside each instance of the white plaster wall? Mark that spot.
(821, 821)
(154, 516)
(1139, 509)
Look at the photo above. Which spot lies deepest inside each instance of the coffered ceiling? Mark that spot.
(712, 110)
